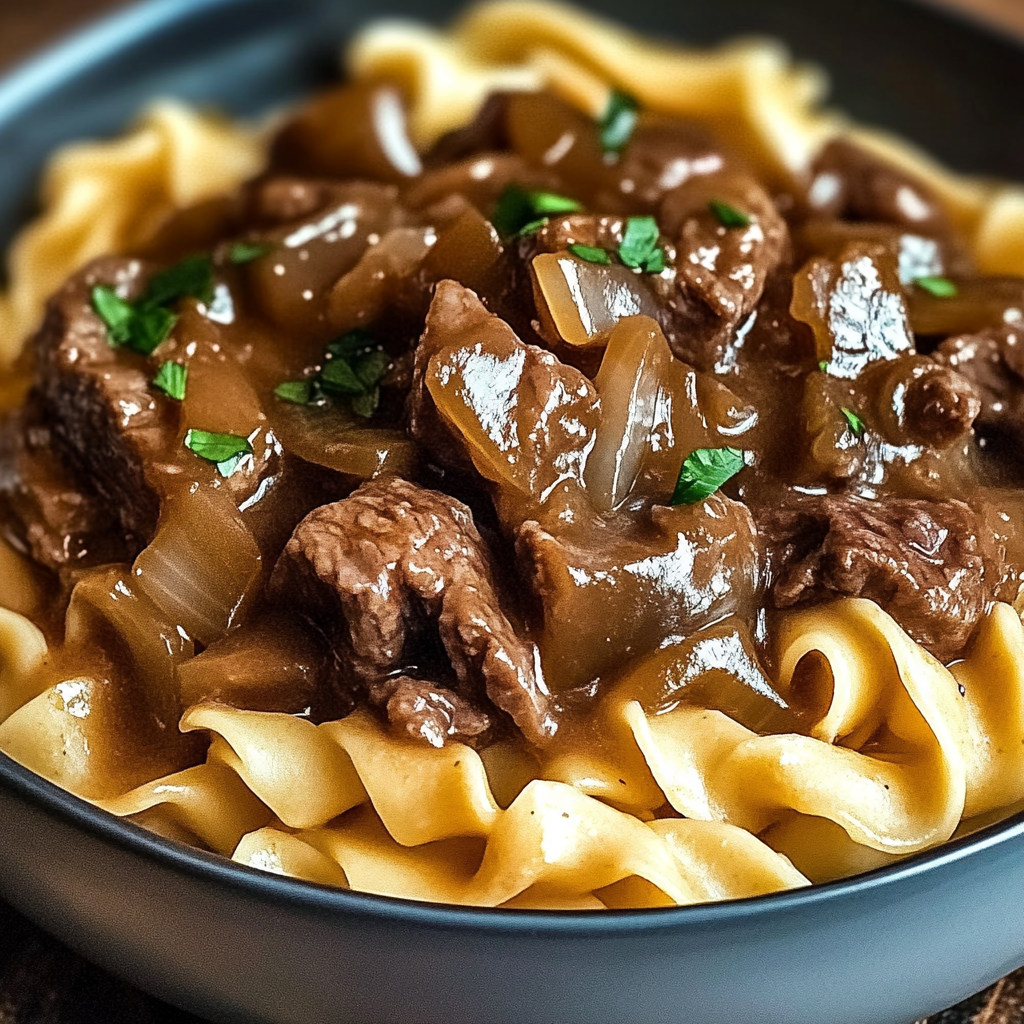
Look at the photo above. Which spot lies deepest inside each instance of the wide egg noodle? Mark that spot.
(291, 765)
(23, 654)
(884, 761)
(210, 801)
(108, 197)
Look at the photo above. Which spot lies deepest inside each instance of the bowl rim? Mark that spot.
(93, 44)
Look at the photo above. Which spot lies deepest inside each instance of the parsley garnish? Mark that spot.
(299, 392)
(639, 248)
(144, 325)
(823, 366)
(618, 121)
(940, 287)
(227, 451)
(171, 379)
(590, 253)
(246, 252)
(728, 216)
(520, 210)
(704, 471)
(353, 369)
(856, 423)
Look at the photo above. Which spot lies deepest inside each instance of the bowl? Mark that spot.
(236, 944)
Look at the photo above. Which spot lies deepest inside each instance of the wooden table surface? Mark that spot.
(42, 982)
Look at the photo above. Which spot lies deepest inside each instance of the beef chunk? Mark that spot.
(426, 711)
(993, 361)
(721, 270)
(106, 425)
(850, 182)
(928, 564)
(939, 406)
(370, 569)
(623, 583)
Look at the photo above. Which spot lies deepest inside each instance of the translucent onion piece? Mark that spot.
(635, 366)
(586, 300)
(203, 566)
(981, 303)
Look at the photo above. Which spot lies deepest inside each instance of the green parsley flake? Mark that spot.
(728, 216)
(704, 471)
(227, 451)
(520, 210)
(940, 287)
(855, 422)
(171, 379)
(618, 121)
(298, 392)
(354, 367)
(590, 253)
(145, 324)
(245, 252)
(823, 366)
(639, 248)
(191, 278)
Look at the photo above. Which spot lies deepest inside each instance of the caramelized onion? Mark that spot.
(979, 303)
(203, 566)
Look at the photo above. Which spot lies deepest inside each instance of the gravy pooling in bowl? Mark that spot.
(571, 508)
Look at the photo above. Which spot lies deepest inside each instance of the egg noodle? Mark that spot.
(900, 753)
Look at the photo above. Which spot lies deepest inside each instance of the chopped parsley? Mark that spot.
(855, 422)
(704, 471)
(521, 211)
(143, 325)
(590, 253)
(639, 248)
(618, 121)
(823, 366)
(940, 287)
(226, 451)
(171, 379)
(298, 392)
(245, 252)
(353, 368)
(728, 216)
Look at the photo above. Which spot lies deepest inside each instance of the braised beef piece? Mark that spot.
(620, 585)
(382, 570)
(933, 566)
(851, 183)
(427, 712)
(487, 132)
(107, 426)
(993, 361)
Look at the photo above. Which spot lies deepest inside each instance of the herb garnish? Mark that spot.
(298, 392)
(144, 325)
(618, 121)
(704, 471)
(940, 287)
(227, 451)
(590, 253)
(171, 379)
(728, 216)
(639, 248)
(245, 252)
(353, 369)
(823, 366)
(522, 211)
(855, 422)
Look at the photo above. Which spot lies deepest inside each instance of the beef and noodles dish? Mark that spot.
(548, 470)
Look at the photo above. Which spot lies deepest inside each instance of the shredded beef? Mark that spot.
(370, 569)
(928, 564)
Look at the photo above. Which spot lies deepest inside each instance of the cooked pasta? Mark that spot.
(696, 693)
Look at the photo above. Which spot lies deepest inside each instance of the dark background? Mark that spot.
(41, 982)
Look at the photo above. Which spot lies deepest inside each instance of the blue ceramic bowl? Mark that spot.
(238, 945)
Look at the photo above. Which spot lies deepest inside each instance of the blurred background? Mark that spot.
(25, 26)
